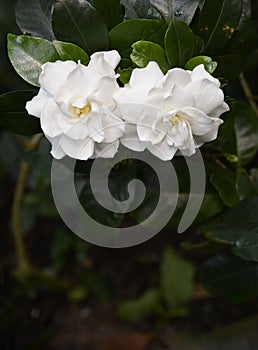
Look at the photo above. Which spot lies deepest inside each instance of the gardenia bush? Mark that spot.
(164, 76)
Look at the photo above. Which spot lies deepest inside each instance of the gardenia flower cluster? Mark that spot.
(85, 114)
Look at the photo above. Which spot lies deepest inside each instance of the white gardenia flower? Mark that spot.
(75, 107)
(168, 113)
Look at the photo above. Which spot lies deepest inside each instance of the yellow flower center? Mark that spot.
(80, 108)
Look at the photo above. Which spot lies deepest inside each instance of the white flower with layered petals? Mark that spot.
(75, 106)
(168, 113)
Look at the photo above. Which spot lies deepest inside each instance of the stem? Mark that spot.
(23, 260)
(248, 93)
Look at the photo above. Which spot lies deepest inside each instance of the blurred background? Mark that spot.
(84, 297)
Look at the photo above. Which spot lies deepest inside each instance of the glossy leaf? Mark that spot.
(146, 51)
(68, 51)
(118, 187)
(218, 22)
(183, 10)
(234, 223)
(246, 130)
(247, 247)
(35, 17)
(110, 10)
(177, 279)
(139, 308)
(27, 54)
(139, 9)
(179, 43)
(13, 115)
(207, 61)
(224, 180)
(139, 29)
(78, 22)
(125, 74)
(230, 277)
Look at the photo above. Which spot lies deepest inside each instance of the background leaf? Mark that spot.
(35, 17)
(146, 51)
(230, 277)
(234, 223)
(180, 9)
(140, 9)
(137, 309)
(13, 115)
(179, 43)
(110, 10)
(207, 61)
(218, 21)
(177, 279)
(246, 130)
(69, 51)
(139, 29)
(78, 22)
(27, 54)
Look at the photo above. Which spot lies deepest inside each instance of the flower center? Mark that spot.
(174, 120)
(80, 108)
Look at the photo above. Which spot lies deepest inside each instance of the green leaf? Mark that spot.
(246, 130)
(177, 279)
(139, 9)
(69, 51)
(234, 223)
(230, 277)
(247, 247)
(218, 22)
(28, 54)
(135, 310)
(13, 115)
(180, 9)
(118, 186)
(146, 51)
(179, 43)
(35, 17)
(125, 74)
(207, 61)
(110, 10)
(224, 180)
(78, 22)
(139, 29)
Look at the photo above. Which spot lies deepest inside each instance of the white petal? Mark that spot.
(80, 80)
(150, 128)
(54, 75)
(111, 57)
(56, 150)
(95, 126)
(77, 131)
(200, 73)
(77, 149)
(131, 140)
(179, 98)
(36, 105)
(144, 79)
(113, 128)
(104, 63)
(104, 90)
(177, 76)
(212, 134)
(162, 150)
(49, 117)
(199, 121)
(106, 150)
(217, 112)
(207, 95)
